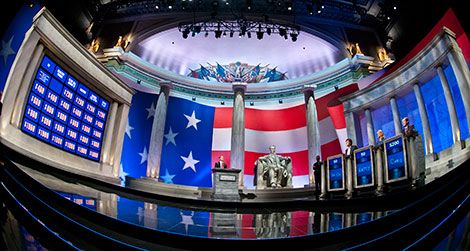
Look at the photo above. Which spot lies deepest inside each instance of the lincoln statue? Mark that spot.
(273, 171)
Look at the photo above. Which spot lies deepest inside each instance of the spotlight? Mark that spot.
(336, 87)
(185, 35)
(268, 31)
(293, 36)
(243, 29)
(207, 34)
(282, 32)
(249, 4)
(259, 35)
(252, 103)
(197, 28)
(222, 102)
(139, 81)
(280, 101)
(194, 98)
(225, 34)
(218, 33)
(231, 33)
(289, 5)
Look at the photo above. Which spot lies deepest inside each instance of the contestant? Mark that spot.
(220, 163)
(349, 152)
(408, 130)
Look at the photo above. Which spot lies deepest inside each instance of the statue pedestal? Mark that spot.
(225, 184)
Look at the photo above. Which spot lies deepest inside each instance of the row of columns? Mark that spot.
(461, 71)
(237, 149)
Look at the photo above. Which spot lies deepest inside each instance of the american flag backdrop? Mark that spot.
(196, 135)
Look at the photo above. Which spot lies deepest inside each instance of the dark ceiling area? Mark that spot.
(410, 21)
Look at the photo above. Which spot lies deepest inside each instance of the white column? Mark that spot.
(158, 130)
(108, 136)
(118, 138)
(237, 147)
(454, 122)
(424, 120)
(313, 132)
(396, 115)
(350, 126)
(462, 74)
(370, 127)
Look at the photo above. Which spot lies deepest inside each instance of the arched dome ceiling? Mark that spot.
(169, 50)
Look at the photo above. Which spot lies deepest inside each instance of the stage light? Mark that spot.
(239, 35)
(282, 32)
(289, 6)
(280, 101)
(197, 28)
(225, 34)
(259, 35)
(249, 34)
(193, 34)
(218, 33)
(252, 103)
(194, 98)
(268, 31)
(231, 33)
(156, 7)
(222, 102)
(294, 36)
(249, 3)
(185, 35)
(243, 29)
(207, 34)
(285, 36)
(138, 81)
(336, 87)
(170, 7)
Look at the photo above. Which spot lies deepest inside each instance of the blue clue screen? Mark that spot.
(64, 112)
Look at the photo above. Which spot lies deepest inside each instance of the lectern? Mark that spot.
(225, 184)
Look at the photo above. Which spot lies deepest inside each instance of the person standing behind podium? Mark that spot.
(349, 152)
(408, 130)
(317, 173)
(220, 163)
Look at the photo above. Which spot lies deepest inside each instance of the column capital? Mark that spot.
(165, 85)
(239, 87)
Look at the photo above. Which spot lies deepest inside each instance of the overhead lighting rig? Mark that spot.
(242, 27)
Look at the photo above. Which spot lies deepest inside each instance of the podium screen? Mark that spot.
(64, 112)
(364, 170)
(335, 174)
(395, 160)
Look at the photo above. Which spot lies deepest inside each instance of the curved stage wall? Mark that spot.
(200, 132)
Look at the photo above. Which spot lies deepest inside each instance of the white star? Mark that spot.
(129, 128)
(189, 162)
(170, 137)
(167, 178)
(7, 50)
(187, 220)
(151, 111)
(143, 155)
(122, 175)
(192, 120)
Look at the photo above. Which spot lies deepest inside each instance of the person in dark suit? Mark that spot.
(317, 173)
(221, 163)
(408, 130)
(349, 152)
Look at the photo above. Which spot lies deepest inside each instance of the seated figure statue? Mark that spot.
(273, 171)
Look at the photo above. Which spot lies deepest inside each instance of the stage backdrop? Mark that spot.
(13, 38)
(196, 135)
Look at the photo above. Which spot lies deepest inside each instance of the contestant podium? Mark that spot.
(225, 184)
